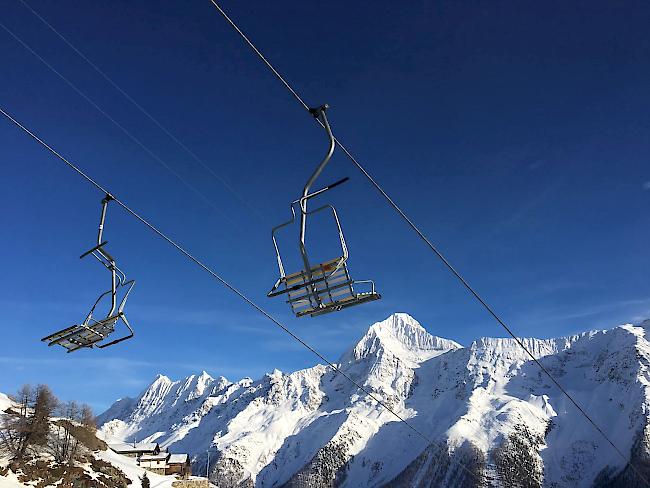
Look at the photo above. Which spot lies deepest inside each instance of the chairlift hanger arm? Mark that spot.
(105, 201)
(92, 332)
(318, 113)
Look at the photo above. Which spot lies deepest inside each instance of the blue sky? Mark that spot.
(515, 133)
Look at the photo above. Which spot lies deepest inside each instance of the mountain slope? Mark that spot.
(492, 415)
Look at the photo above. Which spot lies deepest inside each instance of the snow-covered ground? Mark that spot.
(127, 464)
(5, 402)
(131, 469)
(313, 422)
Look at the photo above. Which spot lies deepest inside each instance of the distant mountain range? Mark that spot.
(495, 419)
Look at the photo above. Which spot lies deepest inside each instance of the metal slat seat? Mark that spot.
(329, 289)
(78, 336)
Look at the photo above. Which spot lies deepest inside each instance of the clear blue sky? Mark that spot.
(515, 133)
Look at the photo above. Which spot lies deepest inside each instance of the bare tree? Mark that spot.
(14, 425)
(87, 418)
(30, 424)
(64, 443)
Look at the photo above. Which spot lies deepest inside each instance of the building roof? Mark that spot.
(131, 448)
(177, 459)
(155, 457)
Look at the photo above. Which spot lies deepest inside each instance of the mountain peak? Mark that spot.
(403, 336)
(397, 324)
(205, 376)
(160, 379)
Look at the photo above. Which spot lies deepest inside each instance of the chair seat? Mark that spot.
(78, 336)
(328, 289)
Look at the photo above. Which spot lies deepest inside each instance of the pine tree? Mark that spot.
(145, 481)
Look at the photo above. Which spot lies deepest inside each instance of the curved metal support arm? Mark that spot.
(121, 277)
(319, 113)
(102, 255)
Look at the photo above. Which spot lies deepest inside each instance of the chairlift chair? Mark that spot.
(93, 332)
(325, 287)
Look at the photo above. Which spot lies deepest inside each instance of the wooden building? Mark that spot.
(156, 463)
(179, 464)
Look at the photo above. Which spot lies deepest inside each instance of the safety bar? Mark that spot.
(90, 251)
(322, 190)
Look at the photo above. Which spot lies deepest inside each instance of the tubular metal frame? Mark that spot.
(99, 330)
(344, 247)
(310, 284)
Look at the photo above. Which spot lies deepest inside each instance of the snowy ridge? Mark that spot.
(488, 403)
(402, 336)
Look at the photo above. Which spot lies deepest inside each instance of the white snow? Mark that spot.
(480, 394)
(5, 402)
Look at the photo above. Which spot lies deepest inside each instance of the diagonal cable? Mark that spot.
(144, 111)
(433, 248)
(124, 130)
(430, 442)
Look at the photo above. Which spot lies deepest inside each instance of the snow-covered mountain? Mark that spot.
(493, 418)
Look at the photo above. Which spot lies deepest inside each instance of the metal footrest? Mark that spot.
(349, 301)
(78, 336)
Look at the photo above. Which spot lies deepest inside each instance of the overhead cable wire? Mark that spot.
(124, 130)
(430, 442)
(144, 111)
(431, 246)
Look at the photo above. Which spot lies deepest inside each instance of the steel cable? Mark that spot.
(433, 248)
(430, 442)
(144, 111)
